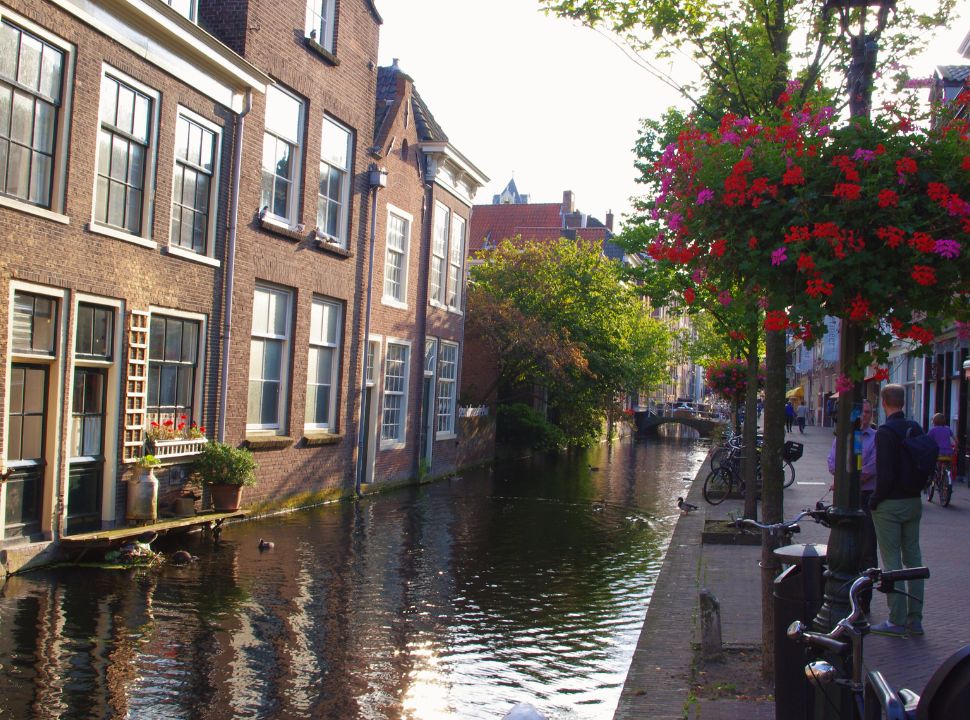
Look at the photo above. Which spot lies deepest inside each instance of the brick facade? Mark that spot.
(60, 252)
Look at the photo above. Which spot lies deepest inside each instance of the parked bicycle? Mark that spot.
(942, 481)
(945, 697)
(725, 476)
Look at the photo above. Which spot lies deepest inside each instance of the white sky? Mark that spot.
(539, 98)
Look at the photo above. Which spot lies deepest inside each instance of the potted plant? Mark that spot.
(226, 470)
(142, 498)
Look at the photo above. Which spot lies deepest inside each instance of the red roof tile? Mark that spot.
(503, 222)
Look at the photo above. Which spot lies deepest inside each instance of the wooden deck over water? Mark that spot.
(118, 536)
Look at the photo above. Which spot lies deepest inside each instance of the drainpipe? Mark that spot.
(376, 179)
(231, 262)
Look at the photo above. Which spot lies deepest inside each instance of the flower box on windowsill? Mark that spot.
(182, 448)
(479, 411)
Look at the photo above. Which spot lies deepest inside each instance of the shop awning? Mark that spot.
(798, 392)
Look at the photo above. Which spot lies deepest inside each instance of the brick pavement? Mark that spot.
(657, 682)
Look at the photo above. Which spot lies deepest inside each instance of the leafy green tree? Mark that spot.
(560, 317)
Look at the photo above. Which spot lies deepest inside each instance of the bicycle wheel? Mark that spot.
(789, 471)
(932, 486)
(717, 486)
(719, 457)
(945, 487)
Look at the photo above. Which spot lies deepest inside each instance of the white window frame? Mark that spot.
(291, 218)
(57, 207)
(400, 301)
(442, 382)
(191, 12)
(198, 400)
(213, 200)
(316, 9)
(341, 238)
(440, 230)
(287, 340)
(334, 346)
(456, 262)
(151, 158)
(398, 441)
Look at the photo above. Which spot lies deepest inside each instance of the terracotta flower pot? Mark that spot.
(225, 498)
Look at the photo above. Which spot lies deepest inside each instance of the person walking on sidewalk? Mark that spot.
(896, 512)
(867, 484)
(789, 415)
(801, 415)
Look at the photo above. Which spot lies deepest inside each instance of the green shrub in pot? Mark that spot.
(222, 464)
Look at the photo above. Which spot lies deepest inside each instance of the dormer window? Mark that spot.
(188, 8)
(321, 16)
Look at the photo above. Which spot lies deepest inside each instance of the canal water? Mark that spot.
(525, 583)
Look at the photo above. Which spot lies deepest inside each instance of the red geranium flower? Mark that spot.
(924, 275)
(888, 198)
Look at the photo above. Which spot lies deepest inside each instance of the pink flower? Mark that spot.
(724, 297)
(843, 384)
(947, 248)
(778, 256)
(704, 195)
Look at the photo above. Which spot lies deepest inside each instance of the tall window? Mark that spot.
(396, 258)
(320, 21)
(323, 364)
(34, 324)
(456, 258)
(282, 142)
(447, 375)
(195, 173)
(269, 348)
(439, 249)
(87, 430)
(30, 101)
(395, 393)
(173, 358)
(123, 155)
(334, 191)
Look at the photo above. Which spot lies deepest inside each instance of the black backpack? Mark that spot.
(917, 456)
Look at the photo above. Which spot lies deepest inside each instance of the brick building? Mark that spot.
(298, 268)
(416, 313)
(117, 123)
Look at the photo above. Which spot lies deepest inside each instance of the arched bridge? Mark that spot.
(648, 422)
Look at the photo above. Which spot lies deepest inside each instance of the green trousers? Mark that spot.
(897, 533)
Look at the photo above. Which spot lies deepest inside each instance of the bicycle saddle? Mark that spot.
(947, 694)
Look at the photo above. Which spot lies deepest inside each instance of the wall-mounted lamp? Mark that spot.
(377, 177)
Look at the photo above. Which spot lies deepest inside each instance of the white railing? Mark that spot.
(480, 411)
(167, 449)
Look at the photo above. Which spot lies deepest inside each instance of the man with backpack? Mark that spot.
(902, 459)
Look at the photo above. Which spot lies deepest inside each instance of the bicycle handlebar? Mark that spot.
(882, 580)
(914, 573)
(785, 525)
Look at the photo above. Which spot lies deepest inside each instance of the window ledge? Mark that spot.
(268, 442)
(392, 445)
(320, 50)
(435, 303)
(317, 438)
(99, 229)
(394, 303)
(324, 243)
(25, 207)
(177, 251)
(445, 436)
(289, 232)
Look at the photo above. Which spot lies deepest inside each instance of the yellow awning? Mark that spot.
(798, 392)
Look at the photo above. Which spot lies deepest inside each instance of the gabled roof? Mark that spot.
(495, 223)
(426, 126)
(513, 192)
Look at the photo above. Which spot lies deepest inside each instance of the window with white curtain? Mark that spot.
(395, 394)
(324, 361)
(282, 150)
(396, 257)
(447, 377)
(269, 349)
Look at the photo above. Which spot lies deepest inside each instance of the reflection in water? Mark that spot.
(457, 599)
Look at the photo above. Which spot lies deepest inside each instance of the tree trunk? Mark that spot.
(750, 458)
(773, 508)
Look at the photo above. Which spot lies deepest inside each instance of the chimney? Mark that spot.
(609, 220)
(568, 202)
